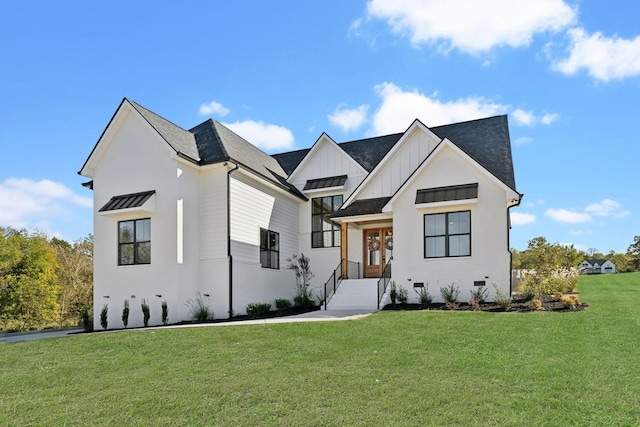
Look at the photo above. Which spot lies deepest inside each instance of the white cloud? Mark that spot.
(520, 218)
(525, 118)
(604, 58)
(528, 118)
(263, 135)
(472, 26)
(523, 140)
(399, 109)
(567, 216)
(214, 108)
(604, 208)
(25, 203)
(348, 119)
(607, 207)
(547, 119)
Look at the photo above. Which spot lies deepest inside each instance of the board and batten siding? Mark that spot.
(327, 160)
(403, 161)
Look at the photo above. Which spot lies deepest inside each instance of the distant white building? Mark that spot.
(180, 212)
(597, 266)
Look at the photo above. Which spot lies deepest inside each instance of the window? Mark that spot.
(447, 234)
(324, 232)
(134, 242)
(269, 249)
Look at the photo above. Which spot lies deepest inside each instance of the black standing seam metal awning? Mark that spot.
(446, 194)
(134, 200)
(332, 181)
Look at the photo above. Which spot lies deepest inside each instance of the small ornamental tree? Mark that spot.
(145, 312)
(302, 270)
(125, 313)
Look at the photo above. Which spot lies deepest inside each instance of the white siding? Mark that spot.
(255, 206)
(489, 260)
(135, 160)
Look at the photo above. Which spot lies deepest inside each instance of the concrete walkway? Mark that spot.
(312, 316)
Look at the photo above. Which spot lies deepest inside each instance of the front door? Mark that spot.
(378, 248)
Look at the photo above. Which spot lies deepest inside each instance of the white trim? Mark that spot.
(447, 204)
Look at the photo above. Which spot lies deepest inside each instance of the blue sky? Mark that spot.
(280, 73)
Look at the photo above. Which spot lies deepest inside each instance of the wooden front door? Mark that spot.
(378, 248)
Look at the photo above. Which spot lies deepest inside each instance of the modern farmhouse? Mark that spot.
(180, 213)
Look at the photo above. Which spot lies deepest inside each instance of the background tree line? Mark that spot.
(542, 254)
(44, 282)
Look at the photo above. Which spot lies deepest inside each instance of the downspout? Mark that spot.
(509, 242)
(229, 255)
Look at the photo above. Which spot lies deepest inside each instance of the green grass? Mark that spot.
(392, 368)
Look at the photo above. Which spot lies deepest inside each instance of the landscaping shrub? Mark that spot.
(474, 303)
(165, 312)
(503, 301)
(393, 293)
(125, 313)
(536, 304)
(403, 295)
(450, 293)
(87, 319)
(200, 311)
(104, 316)
(257, 309)
(548, 281)
(570, 301)
(479, 294)
(304, 302)
(283, 304)
(144, 305)
(423, 294)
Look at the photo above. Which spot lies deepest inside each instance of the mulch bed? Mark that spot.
(518, 304)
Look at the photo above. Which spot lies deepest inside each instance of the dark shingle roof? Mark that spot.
(485, 140)
(216, 143)
(363, 207)
(179, 139)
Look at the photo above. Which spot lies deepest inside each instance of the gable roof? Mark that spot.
(485, 140)
(208, 143)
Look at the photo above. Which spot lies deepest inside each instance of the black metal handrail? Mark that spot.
(383, 282)
(333, 283)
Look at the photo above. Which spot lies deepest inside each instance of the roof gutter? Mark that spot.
(519, 200)
(229, 254)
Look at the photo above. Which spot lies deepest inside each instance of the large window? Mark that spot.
(447, 234)
(324, 232)
(269, 249)
(134, 242)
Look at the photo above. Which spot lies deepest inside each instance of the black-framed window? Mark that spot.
(269, 249)
(134, 242)
(447, 234)
(324, 232)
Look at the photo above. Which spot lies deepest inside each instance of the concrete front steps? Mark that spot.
(355, 294)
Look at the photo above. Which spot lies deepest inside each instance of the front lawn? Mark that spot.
(391, 368)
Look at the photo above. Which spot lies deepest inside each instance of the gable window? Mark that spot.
(447, 234)
(269, 249)
(134, 242)
(324, 232)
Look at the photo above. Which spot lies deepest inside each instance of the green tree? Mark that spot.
(28, 281)
(75, 275)
(634, 253)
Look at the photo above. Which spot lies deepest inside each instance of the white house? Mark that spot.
(202, 211)
(597, 266)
